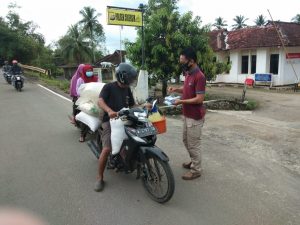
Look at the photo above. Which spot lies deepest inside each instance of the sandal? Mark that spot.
(82, 139)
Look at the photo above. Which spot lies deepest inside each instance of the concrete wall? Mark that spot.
(287, 72)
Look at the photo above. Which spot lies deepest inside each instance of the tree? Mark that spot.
(240, 22)
(167, 33)
(220, 23)
(18, 39)
(92, 28)
(260, 20)
(296, 19)
(74, 47)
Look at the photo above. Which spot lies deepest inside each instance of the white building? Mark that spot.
(258, 50)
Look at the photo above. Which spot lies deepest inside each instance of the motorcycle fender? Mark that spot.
(153, 150)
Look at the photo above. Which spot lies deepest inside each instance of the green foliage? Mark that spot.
(220, 23)
(63, 85)
(19, 40)
(296, 19)
(74, 47)
(240, 22)
(260, 20)
(92, 28)
(167, 33)
(251, 105)
(81, 43)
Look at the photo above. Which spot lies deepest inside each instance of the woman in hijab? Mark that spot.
(86, 77)
(73, 91)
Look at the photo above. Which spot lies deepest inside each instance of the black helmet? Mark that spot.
(126, 73)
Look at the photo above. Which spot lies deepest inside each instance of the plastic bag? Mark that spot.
(92, 122)
(89, 96)
(155, 117)
(169, 100)
(117, 135)
(89, 108)
(89, 92)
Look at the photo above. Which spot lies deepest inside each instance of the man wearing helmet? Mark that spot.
(113, 97)
(15, 69)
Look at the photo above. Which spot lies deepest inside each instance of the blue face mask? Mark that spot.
(89, 73)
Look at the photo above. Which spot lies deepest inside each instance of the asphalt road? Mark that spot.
(45, 169)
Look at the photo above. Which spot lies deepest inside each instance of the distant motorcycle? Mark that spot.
(17, 81)
(7, 76)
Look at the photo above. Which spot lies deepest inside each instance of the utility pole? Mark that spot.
(141, 7)
(121, 28)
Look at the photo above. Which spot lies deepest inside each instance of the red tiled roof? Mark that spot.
(256, 37)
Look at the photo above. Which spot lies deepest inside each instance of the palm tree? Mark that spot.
(296, 19)
(260, 20)
(220, 23)
(74, 47)
(239, 22)
(92, 27)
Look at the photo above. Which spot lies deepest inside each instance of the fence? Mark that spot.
(36, 69)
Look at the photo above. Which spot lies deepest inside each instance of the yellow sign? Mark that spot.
(124, 17)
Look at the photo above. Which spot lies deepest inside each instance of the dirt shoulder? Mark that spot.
(270, 133)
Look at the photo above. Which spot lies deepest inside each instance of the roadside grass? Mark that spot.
(251, 105)
(61, 84)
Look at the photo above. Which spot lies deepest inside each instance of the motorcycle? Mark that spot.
(139, 153)
(7, 76)
(17, 81)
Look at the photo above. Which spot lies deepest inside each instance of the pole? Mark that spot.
(143, 47)
(121, 43)
(141, 6)
(284, 48)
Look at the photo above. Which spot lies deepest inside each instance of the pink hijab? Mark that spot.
(74, 79)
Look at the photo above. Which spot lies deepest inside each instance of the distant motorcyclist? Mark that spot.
(6, 67)
(15, 69)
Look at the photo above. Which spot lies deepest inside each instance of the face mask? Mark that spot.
(89, 74)
(186, 67)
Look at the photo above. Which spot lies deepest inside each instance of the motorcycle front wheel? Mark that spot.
(19, 87)
(158, 179)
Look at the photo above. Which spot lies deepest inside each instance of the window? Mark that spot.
(228, 65)
(274, 63)
(245, 64)
(253, 64)
(228, 59)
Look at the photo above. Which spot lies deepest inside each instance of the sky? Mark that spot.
(55, 16)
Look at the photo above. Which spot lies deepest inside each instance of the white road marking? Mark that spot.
(47, 89)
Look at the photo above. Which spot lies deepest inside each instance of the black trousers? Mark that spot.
(84, 129)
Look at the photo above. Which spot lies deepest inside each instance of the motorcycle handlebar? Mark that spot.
(126, 113)
(123, 112)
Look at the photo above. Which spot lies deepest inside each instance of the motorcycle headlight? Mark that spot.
(138, 139)
(132, 134)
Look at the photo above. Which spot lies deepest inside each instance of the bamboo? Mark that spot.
(284, 48)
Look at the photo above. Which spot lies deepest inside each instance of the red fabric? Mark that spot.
(86, 79)
(194, 84)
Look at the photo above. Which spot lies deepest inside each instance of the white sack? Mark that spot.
(92, 122)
